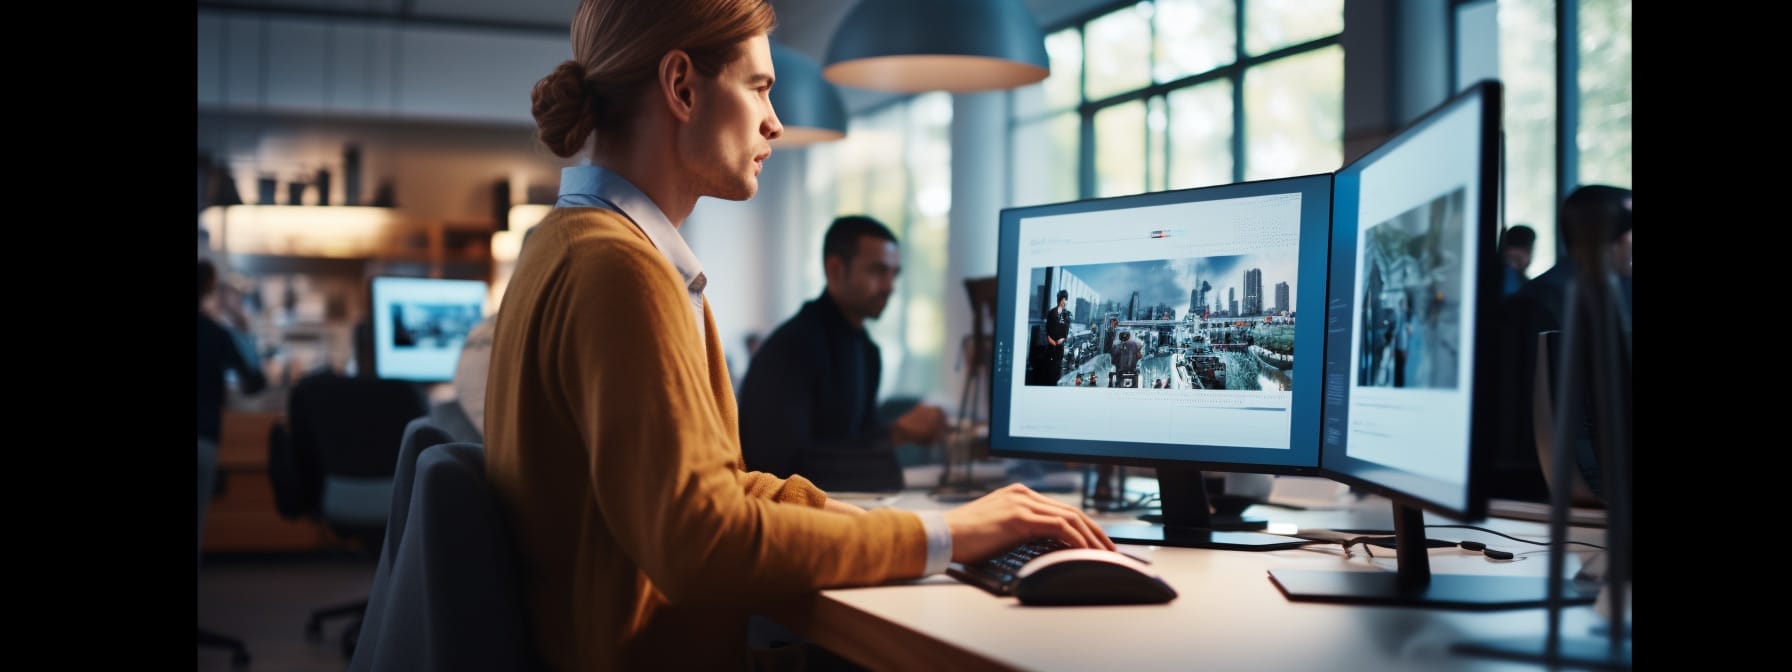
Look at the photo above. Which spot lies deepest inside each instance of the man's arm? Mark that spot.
(250, 379)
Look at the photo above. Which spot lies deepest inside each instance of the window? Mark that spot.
(896, 166)
(1602, 138)
(1598, 105)
(1169, 94)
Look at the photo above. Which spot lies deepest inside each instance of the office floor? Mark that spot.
(265, 600)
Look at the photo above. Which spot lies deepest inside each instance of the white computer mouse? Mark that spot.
(1089, 576)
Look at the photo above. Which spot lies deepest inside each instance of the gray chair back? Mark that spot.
(419, 434)
(453, 598)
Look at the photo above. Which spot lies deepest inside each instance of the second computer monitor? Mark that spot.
(1181, 330)
(1408, 401)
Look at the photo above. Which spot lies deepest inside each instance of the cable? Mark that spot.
(1489, 552)
(1508, 536)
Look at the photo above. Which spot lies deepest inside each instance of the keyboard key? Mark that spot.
(996, 574)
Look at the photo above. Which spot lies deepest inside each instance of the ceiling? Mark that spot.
(805, 25)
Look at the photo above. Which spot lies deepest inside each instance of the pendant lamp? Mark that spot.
(809, 107)
(961, 46)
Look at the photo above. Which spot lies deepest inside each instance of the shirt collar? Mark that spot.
(593, 186)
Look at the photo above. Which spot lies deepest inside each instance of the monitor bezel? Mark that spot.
(1302, 456)
(1407, 488)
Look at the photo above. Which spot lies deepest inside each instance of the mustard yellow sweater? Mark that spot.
(611, 437)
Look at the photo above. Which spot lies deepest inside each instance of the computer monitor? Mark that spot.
(1190, 341)
(420, 324)
(1409, 403)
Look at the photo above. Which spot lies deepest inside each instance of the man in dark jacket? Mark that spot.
(809, 402)
(1057, 330)
(219, 352)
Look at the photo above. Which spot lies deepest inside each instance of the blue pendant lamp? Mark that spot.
(910, 46)
(809, 107)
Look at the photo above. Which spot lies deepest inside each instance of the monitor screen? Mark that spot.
(1189, 335)
(419, 325)
(1414, 222)
(1408, 407)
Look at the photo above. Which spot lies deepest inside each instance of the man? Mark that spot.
(221, 349)
(1515, 250)
(1107, 339)
(1595, 227)
(610, 421)
(1595, 224)
(809, 402)
(1057, 328)
(1127, 354)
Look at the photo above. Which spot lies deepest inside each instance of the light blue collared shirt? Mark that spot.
(594, 187)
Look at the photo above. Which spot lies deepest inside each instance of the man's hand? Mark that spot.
(229, 308)
(925, 423)
(1002, 519)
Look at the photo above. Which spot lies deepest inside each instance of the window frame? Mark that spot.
(1086, 109)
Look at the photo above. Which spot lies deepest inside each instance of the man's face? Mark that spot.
(1518, 258)
(862, 286)
(725, 145)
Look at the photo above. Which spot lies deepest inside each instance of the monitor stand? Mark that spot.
(1189, 521)
(1413, 584)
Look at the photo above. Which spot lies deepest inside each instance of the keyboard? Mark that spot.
(996, 575)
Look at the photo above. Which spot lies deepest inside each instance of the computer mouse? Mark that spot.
(1089, 576)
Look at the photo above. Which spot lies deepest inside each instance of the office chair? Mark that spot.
(453, 600)
(419, 434)
(208, 476)
(335, 459)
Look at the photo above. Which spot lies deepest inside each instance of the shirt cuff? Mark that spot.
(939, 541)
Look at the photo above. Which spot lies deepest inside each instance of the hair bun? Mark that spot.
(565, 108)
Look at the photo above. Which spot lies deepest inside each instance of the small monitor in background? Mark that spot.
(420, 324)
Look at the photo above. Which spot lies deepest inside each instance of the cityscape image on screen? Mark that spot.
(1165, 325)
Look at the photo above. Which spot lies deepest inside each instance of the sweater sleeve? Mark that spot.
(663, 462)
(795, 490)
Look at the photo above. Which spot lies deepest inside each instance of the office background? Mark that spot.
(1143, 96)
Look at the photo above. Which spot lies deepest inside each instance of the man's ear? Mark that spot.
(675, 83)
(834, 268)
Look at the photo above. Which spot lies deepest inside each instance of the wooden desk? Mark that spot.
(1229, 616)
(243, 518)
